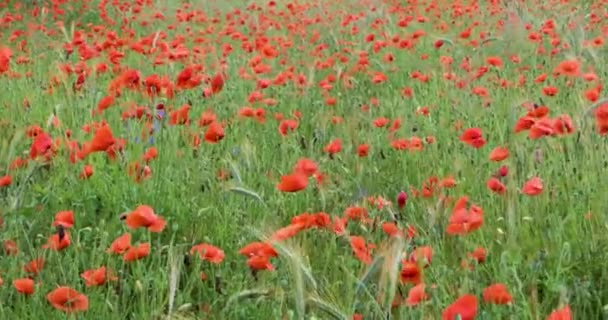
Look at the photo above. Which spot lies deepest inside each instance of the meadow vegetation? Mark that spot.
(305, 159)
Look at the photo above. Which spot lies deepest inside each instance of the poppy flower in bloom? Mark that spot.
(479, 255)
(35, 266)
(356, 213)
(533, 187)
(6, 181)
(473, 137)
(286, 126)
(410, 273)
(360, 249)
(523, 124)
(102, 141)
(217, 83)
(494, 61)
(379, 77)
(24, 286)
(550, 91)
(86, 172)
(5, 58)
(180, 116)
(293, 182)
(363, 150)
(137, 252)
(495, 185)
(150, 154)
(306, 166)
(447, 182)
(497, 294)
(214, 133)
(208, 252)
(601, 119)
(333, 147)
(563, 313)
(563, 124)
(97, 277)
(258, 249)
(258, 256)
(463, 220)
(258, 263)
(536, 111)
(121, 244)
(570, 68)
(58, 241)
(499, 154)
(391, 229)
(144, 217)
(339, 224)
(64, 219)
(541, 128)
(416, 295)
(593, 94)
(464, 308)
(207, 117)
(381, 122)
(68, 300)
(105, 103)
(41, 146)
(287, 232)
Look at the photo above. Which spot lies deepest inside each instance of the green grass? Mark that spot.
(546, 249)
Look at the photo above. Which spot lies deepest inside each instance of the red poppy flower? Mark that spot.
(58, 241)
(24, 286)
(497, 294)
(410, 273)
(533, 187)
(208, 252)
(463, 220)
(144, 217)
(98, 277)
(360, 249)
(464, 308)
(473, 137)
(496, 185)
(293, 182)
(416, 295)
(214, 133)
(5, 181)
(68, 300)
(137, 252)
(258, 249)
(64, 219)
(260, 263)
(563, 313)
(499, 154)
(35, 266)
(121, 244)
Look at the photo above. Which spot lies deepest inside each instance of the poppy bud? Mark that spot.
(503, 171)
(401, 199)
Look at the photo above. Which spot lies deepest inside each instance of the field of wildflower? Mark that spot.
(304, 159)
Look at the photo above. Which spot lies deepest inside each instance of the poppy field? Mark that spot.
(305, 159)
